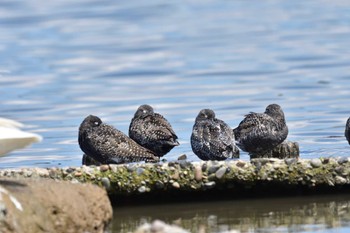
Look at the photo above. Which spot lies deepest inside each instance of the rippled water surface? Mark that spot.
(63, 60)
(294, 214)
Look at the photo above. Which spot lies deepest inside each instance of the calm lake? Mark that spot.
(63, 60)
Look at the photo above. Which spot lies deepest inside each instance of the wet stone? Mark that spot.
(213, 169)
(176, 185)
(175, 176)
(131, 168)
(325, 160)
(88, 171)
(343, 160)
(105, 182)
(340, 180)
(70, 169)
(198, 173)
(78, 174)
(182, 157)
(316, 163)
(113, 167)
(220, 173)
(159, 184)
(172, 164)
(240, 164)
(290, 161)
(209, 184)
(43, 172)
(104, 168)
(141, 189)
(184, 164)
(204, 167)
(28, 173)
(139, 171)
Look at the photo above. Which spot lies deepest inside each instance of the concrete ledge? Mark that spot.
(236, 177)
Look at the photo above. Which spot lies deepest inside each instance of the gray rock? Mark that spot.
(290, 161)
(176, 185)
(139, 171)
(141, 189)
(220, 173)
(182, 157)
(340, 180)
(316, 163)
(159, 184)
(210, 184)
(343, 160)
(198, 175)
(105, 182)
(213, 169)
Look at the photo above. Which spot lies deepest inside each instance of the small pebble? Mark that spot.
(210, 184)
(105, 182)
(104, 167)
(113, 167)
(220, 173)
(141, 189)
(70, 170)
(184, 164)
(42, 172)
(74, 181)
(52, 173)
(86, 169)
(198, 173)
(159, 184)
(28, 173)
(290, 161)
(131, 168)
(176, 185)
(182, 157)
(340, 180)
(316, 163)
(175, 176)
(343, 160)
(139, 171)
(78, 174)
(213, 169)
(204, 167)
(240, 164)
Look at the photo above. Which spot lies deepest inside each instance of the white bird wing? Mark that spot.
(12, 139)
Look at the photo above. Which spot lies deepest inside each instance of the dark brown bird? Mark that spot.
(152, 131)
(260, 133)
(347, 130)
(212, 139)
(106, 144)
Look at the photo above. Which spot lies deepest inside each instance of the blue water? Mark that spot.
(63, 60)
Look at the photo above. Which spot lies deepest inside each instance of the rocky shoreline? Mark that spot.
(235, 176)
(178, 180)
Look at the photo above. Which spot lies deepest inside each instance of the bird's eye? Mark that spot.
(96, 123)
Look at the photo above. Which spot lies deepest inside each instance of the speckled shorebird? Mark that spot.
(212, 139)
(152, 131)
(347, 130)
(259, 133)
(106, 144)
